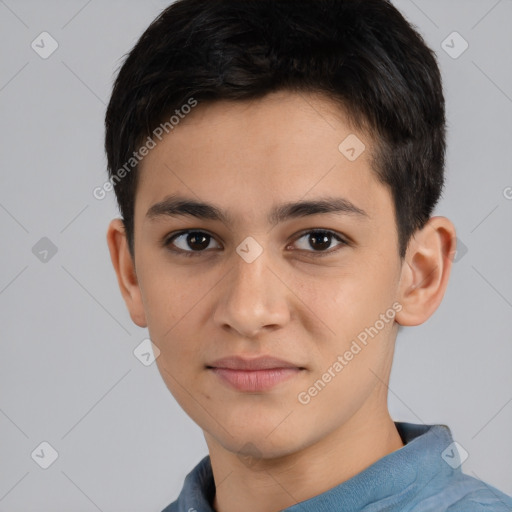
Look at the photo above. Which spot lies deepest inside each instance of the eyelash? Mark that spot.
(168, 241)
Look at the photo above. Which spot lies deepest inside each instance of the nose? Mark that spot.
(253, 298)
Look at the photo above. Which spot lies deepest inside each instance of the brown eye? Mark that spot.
(318, 241)
(192, 241)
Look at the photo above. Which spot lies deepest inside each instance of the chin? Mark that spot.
(257, 444)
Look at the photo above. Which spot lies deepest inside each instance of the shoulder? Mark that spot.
(468, 494)
(483, 501)
(173, 507)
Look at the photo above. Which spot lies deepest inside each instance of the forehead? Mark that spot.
(284, 146)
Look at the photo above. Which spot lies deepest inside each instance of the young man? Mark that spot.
(276, 165)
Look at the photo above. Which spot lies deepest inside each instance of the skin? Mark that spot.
(269, 451)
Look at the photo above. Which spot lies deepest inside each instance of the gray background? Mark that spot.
(68, 374)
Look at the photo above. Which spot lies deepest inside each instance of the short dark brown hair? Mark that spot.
(362, 54)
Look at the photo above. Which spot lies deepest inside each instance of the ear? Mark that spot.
(425, 271)
(125, 271)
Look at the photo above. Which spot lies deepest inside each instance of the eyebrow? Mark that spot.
(175, 205)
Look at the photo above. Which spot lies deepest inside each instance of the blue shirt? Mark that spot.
(422, 476)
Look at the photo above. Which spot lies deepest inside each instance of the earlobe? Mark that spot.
(125, 270)
(426, 270)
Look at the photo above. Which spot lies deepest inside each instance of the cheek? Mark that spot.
(168, 293)
(170, 308)
(352, 300)
(352, 307)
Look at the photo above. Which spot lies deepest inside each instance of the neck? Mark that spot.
(276, 484)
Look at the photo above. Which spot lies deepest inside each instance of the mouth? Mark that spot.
(259, 374)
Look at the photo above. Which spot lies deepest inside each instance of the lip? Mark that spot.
(257, 363)
(258, 374)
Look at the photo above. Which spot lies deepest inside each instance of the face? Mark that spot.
(292, 254)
